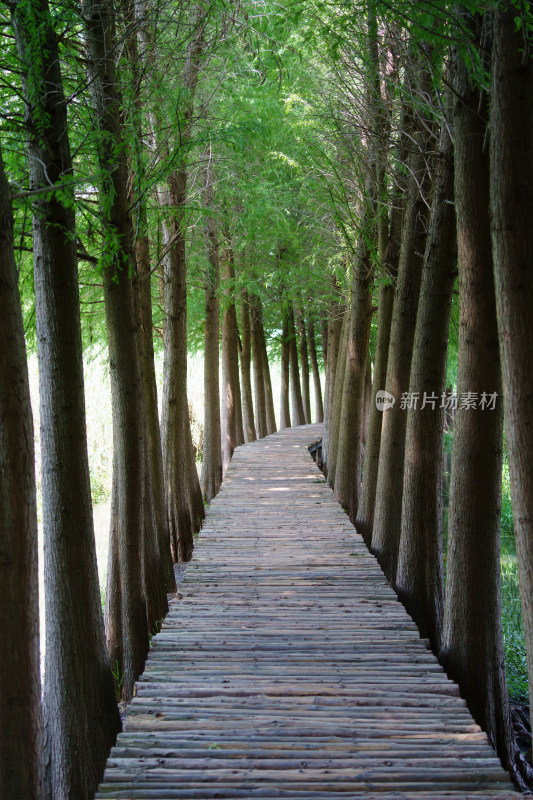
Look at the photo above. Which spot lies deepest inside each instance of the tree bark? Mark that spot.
(259, 364)
(304, 364)
(365, 512)
(367, 393)
(512, 218)
(158, 573)
(246, 381)
(298, 414)
(419, 580)
(388, 507)
(78, 697)
(212, 459)
(472, 641)
(348, 462)
(336, 400)
(183, 493)
(122, 321)
(319, 408)
(335, 318)
(269, 397)
(232, 433)
(285, 414)
(21, 760)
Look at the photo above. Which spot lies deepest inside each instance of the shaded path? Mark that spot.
(286, 667)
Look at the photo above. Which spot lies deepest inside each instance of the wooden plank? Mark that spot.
(287, 668)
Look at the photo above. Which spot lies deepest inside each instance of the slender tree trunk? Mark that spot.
(334, 337)
(259, 377)
(21, 760)
(324, 335)
(419, 580)
(348, 463)
(472, 620)
(78, 697)
(365, 512)
(158, 574)
(298, 414)
(367, 393)
(232, 433)
(285, 414)
(512, 219)
(319, 408)
(304, 362)
(212, 458)
(246, 381)
(183, 493)
(154, 463)
(388, 507)
(124, 353)
(336, 400)
(269, 397)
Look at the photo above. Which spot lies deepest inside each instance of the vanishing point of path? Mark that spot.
(287, 668)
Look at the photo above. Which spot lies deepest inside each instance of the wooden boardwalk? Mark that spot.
(287, 668)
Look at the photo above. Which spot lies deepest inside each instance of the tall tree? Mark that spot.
(21, 760)
(304, 363)
(78, 696)
(472, 619)
(126, 611)
(319, 407)
(232, 423)
(246, 380)
(512, 217)
(389, 486)
(298, 413)
(212, 456)
(348, 467)
(183, 493)
(285, 413)
(419, 579)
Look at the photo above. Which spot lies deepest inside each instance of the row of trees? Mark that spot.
(177, 176)
(443, 188)
(82, 95)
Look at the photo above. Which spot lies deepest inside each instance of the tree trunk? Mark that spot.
(365, 512)
(259, 364)
(324, 335)
(21, 761)
(78, 698)
(212, 458)
(154, 454)
(472, 642)
(298, 414)
(123, 334)
(319, 408)
(512, 218)
(232, 433)
(269, 397)
(336, 400)
(419, 580)
(246, 381)
(348, 463)
(367, 393)
(304, 363)
(335, 318)
(183, 493)
(388, 508)
(285, 414)
(158, 574)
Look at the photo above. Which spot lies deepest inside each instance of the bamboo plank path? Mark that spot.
(287, 668)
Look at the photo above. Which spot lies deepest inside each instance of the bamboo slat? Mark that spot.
(287, 668)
